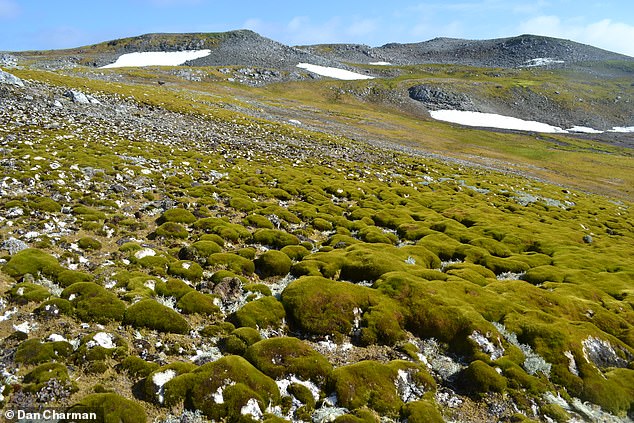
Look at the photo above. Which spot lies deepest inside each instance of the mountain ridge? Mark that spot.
(246, 47)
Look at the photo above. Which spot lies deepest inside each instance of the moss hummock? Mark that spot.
(280, 357)
(115, 408)
(152, 315)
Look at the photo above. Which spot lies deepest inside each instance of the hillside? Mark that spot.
(219, 243)
(509, 52)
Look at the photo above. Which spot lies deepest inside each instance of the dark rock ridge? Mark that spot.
(232, 48)
(502, 52)
(247, 48)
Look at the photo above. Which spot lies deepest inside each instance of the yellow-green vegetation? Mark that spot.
(152, 315)
(369, 383)
(112, 408)
(279, 357)
(526, 285)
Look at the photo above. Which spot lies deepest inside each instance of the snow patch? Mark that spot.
(584, 130)
(380, 63)
(157, 58)
(625, 129)
(492, 120)
(542, 61)
(333, 72)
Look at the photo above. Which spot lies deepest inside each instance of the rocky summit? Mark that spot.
(239, 239)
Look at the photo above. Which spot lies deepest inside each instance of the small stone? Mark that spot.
(13, 245)
(587, 239)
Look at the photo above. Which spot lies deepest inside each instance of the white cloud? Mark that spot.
(9, 9)
(606, 34)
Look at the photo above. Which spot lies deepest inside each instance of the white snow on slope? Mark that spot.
(584, 130)
(542, 61)
(333, 72)
(622, 129)
(380, 63)
(157, 58)
(491, 120)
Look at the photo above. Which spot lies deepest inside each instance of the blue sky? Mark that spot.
(44, 24)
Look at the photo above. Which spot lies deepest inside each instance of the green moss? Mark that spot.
(272, 263)
(422, 411)
(223, 229)
(93, 302)
(501, 265)
(88, 243)
(444, 246)
(258, 221)
(55, 307)
(130, 247)
(541, 274)
(115, 408)
(375, 235)
(26, 292)
(137, 368)
(480, 378)
(176, 215)
(246, 252)
(172, 230)
(197, 302)
(218, 330)
(262, 313)
(555, 412)
(250, 383)
(172, 393)
(68, 277)
(186, 270)
(371, 384)
(32, 261)
(274, 238)
(243, 204)
(44, 204)
(295, 252)
(322, 224)
(172, 288)
(199, 251)
(86, 213)
(258, 288)
(33, 351)
(213, 238)
(323, 307)
(232, 262)
(494, 247)
(303, 394)
(249, 335)
(152, 315)
(284, 356)
(37, 378)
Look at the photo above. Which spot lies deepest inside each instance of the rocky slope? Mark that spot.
(510, 52)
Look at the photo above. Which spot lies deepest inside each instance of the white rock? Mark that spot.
(145, 252)
(160, 379)
(7, 78)
(104, 340)
(252, 408)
